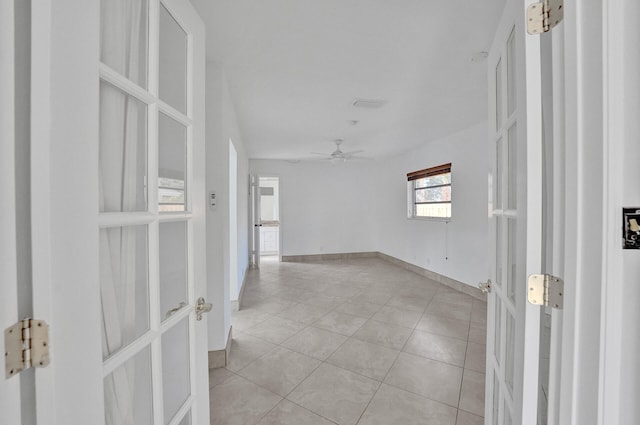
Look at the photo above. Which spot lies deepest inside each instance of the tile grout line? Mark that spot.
(306, 274)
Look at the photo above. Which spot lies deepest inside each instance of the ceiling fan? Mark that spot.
(339, 156)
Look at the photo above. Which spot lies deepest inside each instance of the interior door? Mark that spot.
(151, 247)
(10, 387)
(515, 205)
(118, 191)
(256, 220)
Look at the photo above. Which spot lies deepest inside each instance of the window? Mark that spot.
(429, 192)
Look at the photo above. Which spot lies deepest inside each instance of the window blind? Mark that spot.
(428, 172)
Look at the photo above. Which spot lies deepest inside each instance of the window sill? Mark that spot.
(445, 219)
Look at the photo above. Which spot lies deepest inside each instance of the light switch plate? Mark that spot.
(213, 200)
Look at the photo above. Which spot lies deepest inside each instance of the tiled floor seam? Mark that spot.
(322, 329)
(462, 379)
(302, 380)
(311, 411)
(369, 403)
(303, 291)
(257, 358)
(293, 389)
(424, 396)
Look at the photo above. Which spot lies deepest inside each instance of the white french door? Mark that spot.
(151, 247)
(118, 197)
(515, 205)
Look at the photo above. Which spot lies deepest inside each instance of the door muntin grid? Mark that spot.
(141, 88)
(505, 223)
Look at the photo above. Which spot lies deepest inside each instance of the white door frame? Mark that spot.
(9, 388)
(594, 348)
(617, 49)
(64, 116)
(584, 230)
(255, 220)
(233, 222)
(274, 176)
(557, 215)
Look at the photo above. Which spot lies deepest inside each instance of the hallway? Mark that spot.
(358, 341)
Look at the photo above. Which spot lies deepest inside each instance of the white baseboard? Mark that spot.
(220, 358)
(429, 274)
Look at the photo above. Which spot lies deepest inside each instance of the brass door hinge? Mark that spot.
(543, 16)
(546, 290)
(26, 345)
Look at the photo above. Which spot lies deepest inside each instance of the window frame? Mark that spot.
(413, 177)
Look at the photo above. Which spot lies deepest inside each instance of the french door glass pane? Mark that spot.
(186, 420)
(127, 392)
(512, 253)
(123, 38)
(498, 182)
(510, 351)
(498, 331)
(499, 250)
(499, 95)
(175, 368)
(172, 164)
(173, 267)
(512, 168)
(496, 399)
(124, 286)
(123, 151)
(173, 62)
(511, 73)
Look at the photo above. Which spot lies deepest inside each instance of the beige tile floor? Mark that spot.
(349, 342)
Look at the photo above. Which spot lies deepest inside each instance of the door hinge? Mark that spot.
(26, 345)
(546, 290)
(543, 16)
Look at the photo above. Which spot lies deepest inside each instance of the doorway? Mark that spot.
(233, 222)
(269, 218)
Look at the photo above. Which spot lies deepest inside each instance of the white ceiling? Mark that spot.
(295, 66)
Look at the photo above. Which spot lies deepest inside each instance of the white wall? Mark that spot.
(458, 248)
(630, 367)
(361, 206)
(222, 126)
(324, 208)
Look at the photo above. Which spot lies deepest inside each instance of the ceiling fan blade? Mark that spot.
(323, 154)
(352, 152)
(357, 157)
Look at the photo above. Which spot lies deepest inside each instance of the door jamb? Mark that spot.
(65, 66)
(583, 252)
(9, 389)
(612, 322)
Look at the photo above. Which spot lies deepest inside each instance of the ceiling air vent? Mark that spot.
(369, 103)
